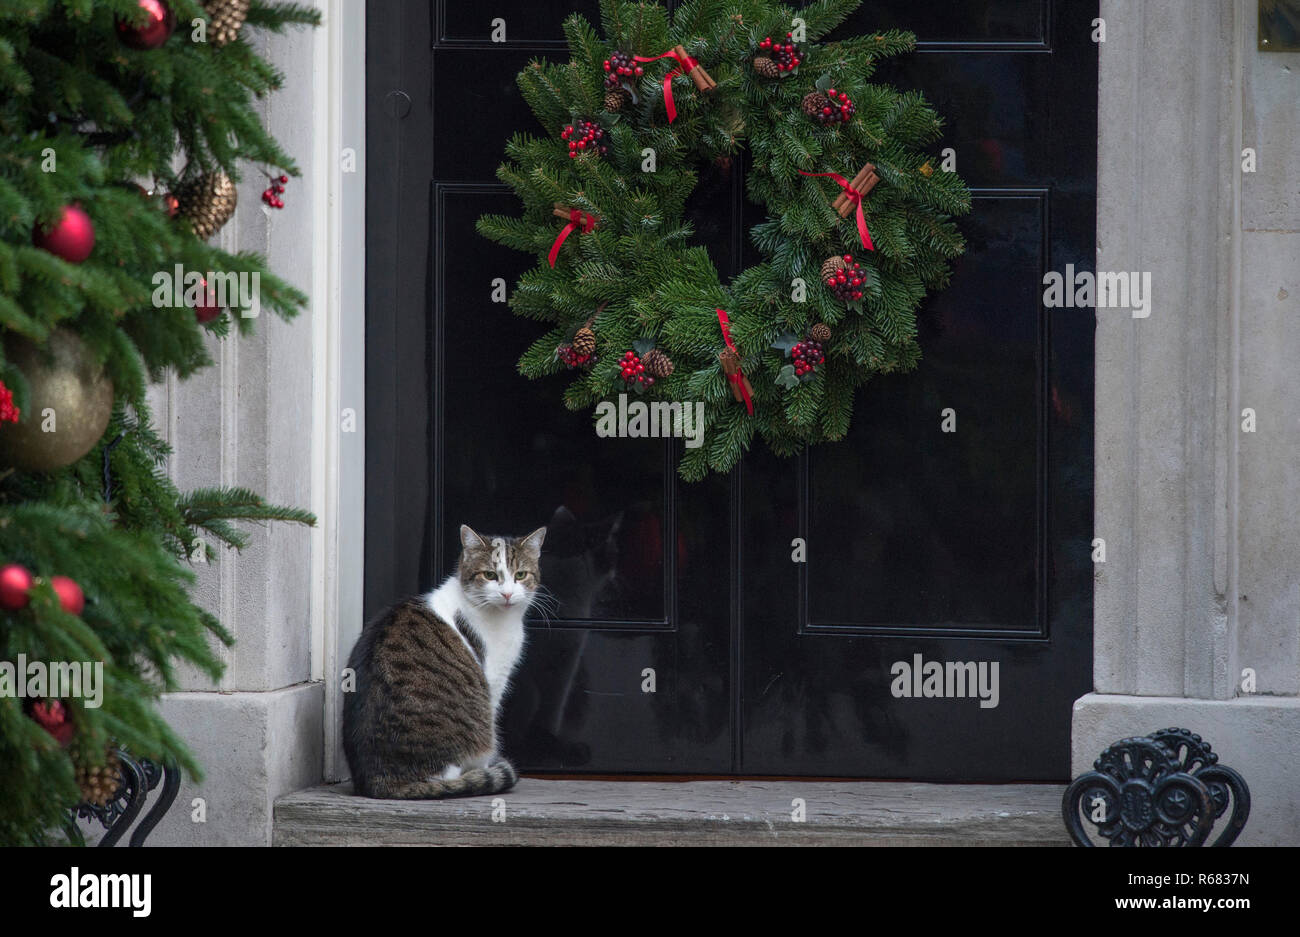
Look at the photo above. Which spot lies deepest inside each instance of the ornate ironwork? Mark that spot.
(140, 777)
(1163, 789)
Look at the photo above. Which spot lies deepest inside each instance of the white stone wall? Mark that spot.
(251, 421)
(1200, 581)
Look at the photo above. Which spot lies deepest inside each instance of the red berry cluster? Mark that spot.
(585, 135)
(271, 195)
(618, 66)
(806, 356)
(8, 412)
(573, 359)
(786, 54)
(846, 283)
(841, 109)
(633, 371)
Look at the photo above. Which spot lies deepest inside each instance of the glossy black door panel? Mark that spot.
(1016, 24)
(961, 548)
(942, 529)
(681, 637)
(462, 23)
(627, 667)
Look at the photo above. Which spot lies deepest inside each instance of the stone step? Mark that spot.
(684, 813)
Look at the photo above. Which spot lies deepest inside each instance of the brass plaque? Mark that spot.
(1279, 25)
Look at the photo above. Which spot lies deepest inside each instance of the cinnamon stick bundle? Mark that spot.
(863, 182)
(730, 366)
(703, 80)
(563, 211)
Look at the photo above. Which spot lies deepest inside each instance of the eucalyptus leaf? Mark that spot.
(824, 82)
(785, 341)
(643, 345)
(786, 377)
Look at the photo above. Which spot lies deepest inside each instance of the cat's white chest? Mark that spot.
(500, 655)
(501, 632)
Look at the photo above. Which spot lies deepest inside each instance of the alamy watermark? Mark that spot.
(55, 680)
(181, 288)
(78, 889)
(1103, 290)
(658, 418)
(927, 679)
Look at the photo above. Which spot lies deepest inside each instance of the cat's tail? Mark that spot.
(495, 778)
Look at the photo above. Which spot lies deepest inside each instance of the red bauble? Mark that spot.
(70, 595)
(207, 309)
(15, 584)
(72, 237)
(159, 23)
(52, 716)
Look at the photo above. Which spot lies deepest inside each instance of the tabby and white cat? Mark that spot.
(431, 672)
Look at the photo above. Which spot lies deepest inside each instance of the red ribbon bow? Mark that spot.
(738, 379)
(854, 196)
(684, 65)
(577, 219)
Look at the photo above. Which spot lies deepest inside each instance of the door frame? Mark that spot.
(338, 289)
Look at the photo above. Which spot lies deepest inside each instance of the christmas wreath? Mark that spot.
(859, 224)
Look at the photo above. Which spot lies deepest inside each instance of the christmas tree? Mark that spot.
(626, 126)
(124, 125)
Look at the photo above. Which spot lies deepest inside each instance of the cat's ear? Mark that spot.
(534, 540)
(470, 539)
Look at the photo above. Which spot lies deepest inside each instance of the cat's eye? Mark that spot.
(490, 576)
(522, 574)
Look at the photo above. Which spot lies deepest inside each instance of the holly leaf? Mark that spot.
(807, 376)
(784, 342)
(824, 82)
(855, 305)
(612, 117)
(643, 345)
(638, 387)
(786, 377)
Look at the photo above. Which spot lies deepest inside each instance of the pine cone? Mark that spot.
(813, 102)
(766, 67)
(820, 333)
(99, 783)
(657, 364)
(227, 17)
(207, 201)
(615, 100)
(831, 265)
(584, 341)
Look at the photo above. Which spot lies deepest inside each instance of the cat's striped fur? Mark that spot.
(430, 675)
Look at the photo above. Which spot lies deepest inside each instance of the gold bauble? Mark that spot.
(99, 783)
(227, 17)
(69, 382)
(208, 201)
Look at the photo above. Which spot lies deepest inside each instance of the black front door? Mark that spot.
(769, 622)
